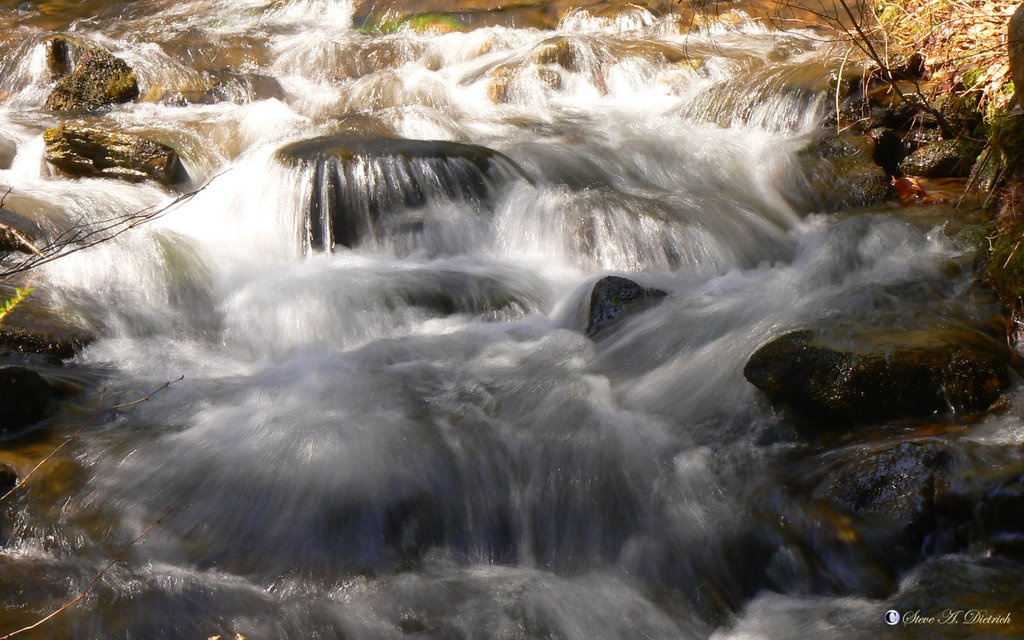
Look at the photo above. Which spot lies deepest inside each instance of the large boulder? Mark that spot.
(864, 374)
(356, 182)
(24, 397)
(612, 298)
(86, 152)
(98, 80)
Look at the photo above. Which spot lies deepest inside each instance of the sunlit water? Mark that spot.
(413, 436)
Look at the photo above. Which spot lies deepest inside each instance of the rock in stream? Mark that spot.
(874, 374)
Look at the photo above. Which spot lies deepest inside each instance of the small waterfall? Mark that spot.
(359, 187)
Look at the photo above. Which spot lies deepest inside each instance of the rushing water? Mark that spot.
(413, 435)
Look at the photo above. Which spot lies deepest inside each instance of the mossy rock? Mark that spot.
(98, 80)
(852, 374)
(499, 88)
(941, 159)
(558, 51)
(1005, 261)
(85, 152)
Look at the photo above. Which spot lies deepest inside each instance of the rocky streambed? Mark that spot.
(532, 321)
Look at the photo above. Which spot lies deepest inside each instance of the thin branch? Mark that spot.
(95, 579)
(86, 236)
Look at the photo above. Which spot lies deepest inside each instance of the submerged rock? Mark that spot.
(612, 298)
(98, 80)
(873, 374)
(85, 152)
(357, 180)
(24, 397)
(897, 483)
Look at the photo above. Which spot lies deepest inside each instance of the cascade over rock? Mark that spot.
(356, 182)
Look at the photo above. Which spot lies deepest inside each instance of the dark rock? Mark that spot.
(871, 374)
(942, 159)
(62, 53)
(897, 483)
(8, 479)
(912, 68)
(12, 240)
(848, 174)
(24, 397)
(887, 150)
(1001, 516)
(80, 151)
(97, 81)
(612, 298)
(61, 344)
(412, 173)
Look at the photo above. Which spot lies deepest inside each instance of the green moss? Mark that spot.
(420, 23)
(1006, 139)
(1006, 262)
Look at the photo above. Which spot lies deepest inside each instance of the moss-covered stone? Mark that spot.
(941, 159)
(85, 152)
(97, 81)
(853, 374)
(557, 52)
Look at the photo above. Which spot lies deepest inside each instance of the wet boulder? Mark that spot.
(941, 159)
(24, 397)
(86, 152)
(613, 298)
(98, 80)
(847, 174)
(357, 183)
(895, 485)
(866, 374)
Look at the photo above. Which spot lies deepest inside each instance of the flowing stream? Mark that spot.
(405, 431)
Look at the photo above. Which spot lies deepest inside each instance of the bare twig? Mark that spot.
(85, 236)
(95, 579)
